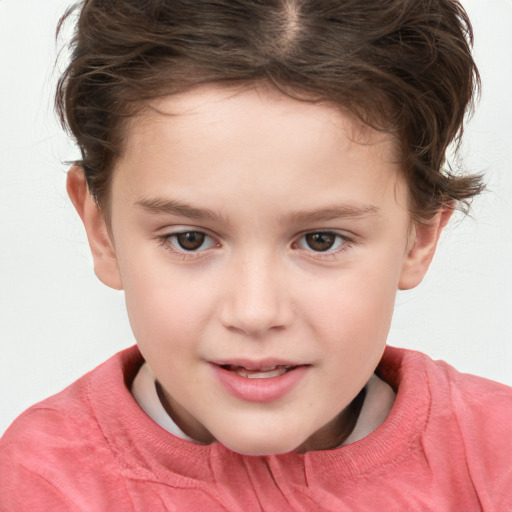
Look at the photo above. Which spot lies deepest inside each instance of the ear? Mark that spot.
(424, 238)
(100, 240)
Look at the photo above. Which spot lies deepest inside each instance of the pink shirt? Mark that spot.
(445, 446)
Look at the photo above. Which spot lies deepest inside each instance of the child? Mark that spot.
(260, 178)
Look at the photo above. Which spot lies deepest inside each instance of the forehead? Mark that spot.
(253, 105)
(251, 138)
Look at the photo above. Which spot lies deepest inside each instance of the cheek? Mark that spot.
(352, 311)
(353, 329)
(166, 309)
(365, 291)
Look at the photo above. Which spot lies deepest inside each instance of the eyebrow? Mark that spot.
(173, 207)
(333, 212)
(157, 206)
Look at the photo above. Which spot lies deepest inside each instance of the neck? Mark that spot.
(333, 434)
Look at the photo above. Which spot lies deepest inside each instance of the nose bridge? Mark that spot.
(256, 300)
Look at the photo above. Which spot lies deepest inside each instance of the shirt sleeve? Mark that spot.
(23, 489)
(48, 463)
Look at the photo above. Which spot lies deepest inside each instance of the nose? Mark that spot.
(256, 299)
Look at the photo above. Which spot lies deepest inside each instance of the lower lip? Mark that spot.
(262, 390)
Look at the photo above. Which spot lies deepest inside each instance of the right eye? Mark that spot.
(187, 241)
(323, 242)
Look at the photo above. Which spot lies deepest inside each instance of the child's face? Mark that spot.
(253, 230)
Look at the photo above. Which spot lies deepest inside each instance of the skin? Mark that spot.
(256, 171)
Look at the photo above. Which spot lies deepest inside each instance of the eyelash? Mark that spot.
(341, 244)
(169, 242)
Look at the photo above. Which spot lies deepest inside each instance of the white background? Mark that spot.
(57, 321)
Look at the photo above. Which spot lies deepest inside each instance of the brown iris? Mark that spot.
(191, 240)
(320, 241)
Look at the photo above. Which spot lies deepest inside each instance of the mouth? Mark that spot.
(260, 382)
(267, 372)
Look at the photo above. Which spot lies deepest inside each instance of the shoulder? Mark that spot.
(480, 408)
(74, 409)
(41, 451)
(483, 403)
(465, 392)
(469, 421)
(482, 411)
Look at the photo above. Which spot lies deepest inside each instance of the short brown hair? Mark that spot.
(403, 66)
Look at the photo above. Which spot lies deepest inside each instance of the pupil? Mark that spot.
(191, 240)
(320, 241)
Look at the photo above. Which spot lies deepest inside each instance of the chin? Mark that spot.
(261, 446)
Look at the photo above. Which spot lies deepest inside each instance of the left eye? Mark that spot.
(321, 241)
(190, 241)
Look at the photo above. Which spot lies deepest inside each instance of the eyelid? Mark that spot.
(346, 243)
(185, 228)
(165, 237)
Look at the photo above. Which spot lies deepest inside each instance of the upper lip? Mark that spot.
(260, 364)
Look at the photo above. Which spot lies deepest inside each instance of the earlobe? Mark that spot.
(100, 242)
(425, 237)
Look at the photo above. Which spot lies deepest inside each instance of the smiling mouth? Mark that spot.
(260, 373)
(259, 382)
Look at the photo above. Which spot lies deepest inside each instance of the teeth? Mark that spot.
(260, 373)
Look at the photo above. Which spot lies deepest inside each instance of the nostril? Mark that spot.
(255, 304)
